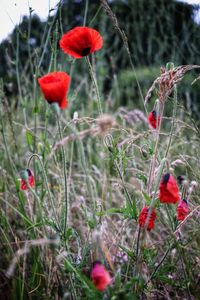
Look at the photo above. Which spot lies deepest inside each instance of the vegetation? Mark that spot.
(95, 172)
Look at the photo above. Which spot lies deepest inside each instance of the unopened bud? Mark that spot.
(55, 107)
(169, 66)
(24, 175)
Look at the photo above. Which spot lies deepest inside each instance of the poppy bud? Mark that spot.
(168, 192)
(182, 210)
(26, 176)
(100, 276)
(153, 120)
(143, 217)
(144, 152)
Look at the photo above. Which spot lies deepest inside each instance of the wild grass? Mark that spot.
(94, 172)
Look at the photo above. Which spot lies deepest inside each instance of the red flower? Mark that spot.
(81, 41)
(100, 276)
(168, 189)
(153, 119)
(54, 87)
(143, 217)
(31, 181)
(182, 210)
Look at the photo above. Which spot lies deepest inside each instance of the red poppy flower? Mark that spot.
(54, 87)
(182, 210)
(153, 119)
(143, 217)
(31, 181)
(168, 189)
(100, 276)
(81, 41)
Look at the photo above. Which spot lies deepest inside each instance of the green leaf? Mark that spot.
(150, 151)
(147, 198)
(142, 177)
(126, 211)
(36, 110)
(29, 138)
(91, 223)
(129, 252)
(69, 233)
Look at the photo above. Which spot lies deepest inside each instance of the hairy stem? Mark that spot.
(47, 185)
(153, 162)
(159, 265)
(132, 205)
(65, 176)
(137, 251)
(95, 84)
(173, 121)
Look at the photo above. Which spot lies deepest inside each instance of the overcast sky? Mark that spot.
(12, 11)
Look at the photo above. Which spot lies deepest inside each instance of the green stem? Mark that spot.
(47, 185)
(159, 265)
(169, 216)
(186, 270)
(65, 175)
(45, 135)
(132, 205)
(95, 84)
(160, 171)
(17, 68)
(35, 122)
(11, 163)
(153, 162)
(84, 164)
(137, 251)
(173, 121)
(38, 200)
(25, 218)
(85, 14)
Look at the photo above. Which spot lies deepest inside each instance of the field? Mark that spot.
(99, 186)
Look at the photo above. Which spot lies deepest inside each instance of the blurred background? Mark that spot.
(157, 31)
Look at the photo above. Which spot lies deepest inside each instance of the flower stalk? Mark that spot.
(95, 85)
(65, 175)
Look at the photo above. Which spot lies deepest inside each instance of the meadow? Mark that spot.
(99, 188)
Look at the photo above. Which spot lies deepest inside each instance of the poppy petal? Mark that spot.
(182, 210)
(31, 181)
(54, 87)
(143, 217)
(63, 103)
(153, 120)
(168, 190)
(100, 276)
(81, 41)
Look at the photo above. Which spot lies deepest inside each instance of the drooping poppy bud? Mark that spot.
(26, 176)
(54, 87)
(100, 276)
(168, 192)
(153, 120)
(81, 41)
(182, 210)
(143, 217)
